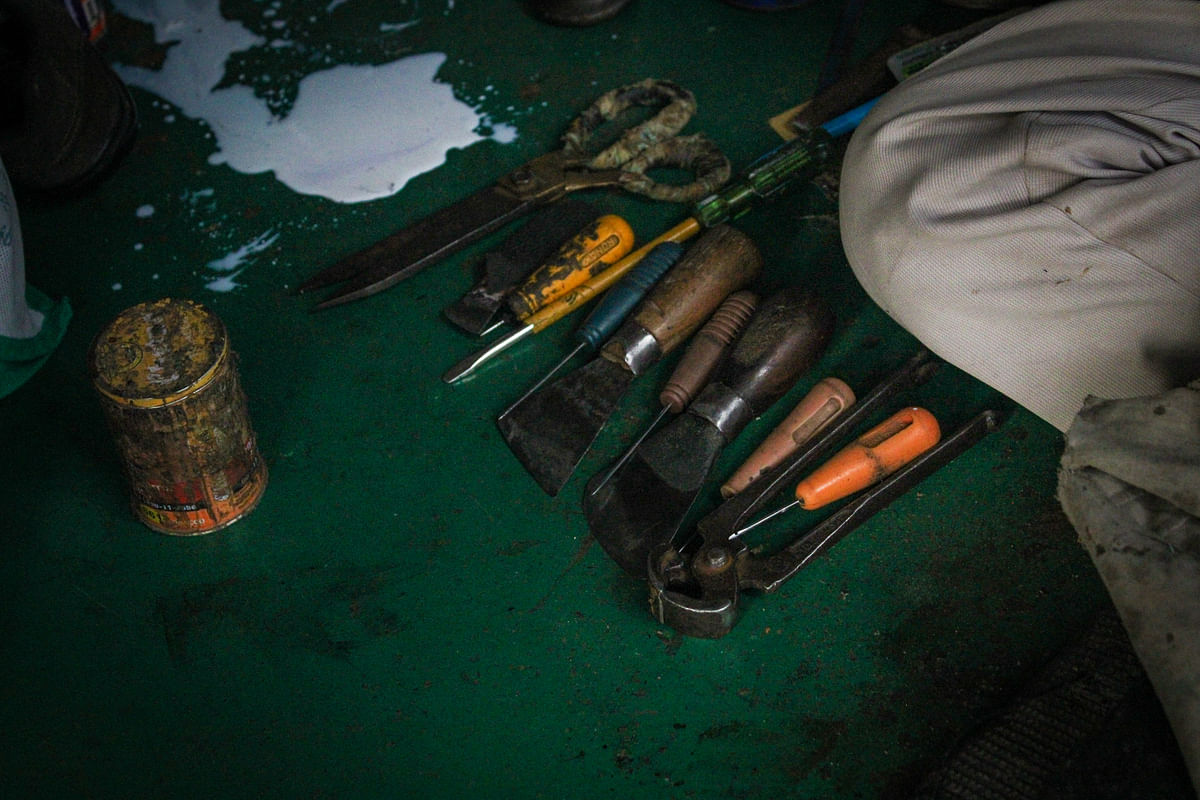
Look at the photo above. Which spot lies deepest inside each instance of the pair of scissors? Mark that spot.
(652, 143)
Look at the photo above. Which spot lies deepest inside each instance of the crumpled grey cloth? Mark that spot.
(1130, 484)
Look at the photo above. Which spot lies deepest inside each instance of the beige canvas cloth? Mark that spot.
(1130, 484)
(1028, 206)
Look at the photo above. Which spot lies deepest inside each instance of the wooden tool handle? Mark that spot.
(721, 261)
(591, 251)
(829, 398)
(707, 349)
(785, 337)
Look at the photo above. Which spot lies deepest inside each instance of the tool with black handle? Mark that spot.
(649, 500)
(552, 429)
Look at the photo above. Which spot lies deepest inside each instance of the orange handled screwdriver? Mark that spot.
(868, 460)
(594, 249)
(821, 406)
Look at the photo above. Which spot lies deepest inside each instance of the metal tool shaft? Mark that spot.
(612, 309)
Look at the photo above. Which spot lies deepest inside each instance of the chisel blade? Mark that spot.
(551, 430)
(476, 311)
(648, 500)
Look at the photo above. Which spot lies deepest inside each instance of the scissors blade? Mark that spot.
(407, 252)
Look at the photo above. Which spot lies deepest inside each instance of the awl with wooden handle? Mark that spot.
(704, 353)
(552, 429)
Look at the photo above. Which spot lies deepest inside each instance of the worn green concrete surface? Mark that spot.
(406, 613)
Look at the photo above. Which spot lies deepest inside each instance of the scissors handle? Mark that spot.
(678, 106)
(653, 143)
(696, 154)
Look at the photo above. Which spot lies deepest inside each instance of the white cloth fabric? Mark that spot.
(1029, 205)
(1029, 208)
(31, 324)
(17, 319)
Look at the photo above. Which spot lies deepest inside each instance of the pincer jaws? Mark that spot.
(697, 595)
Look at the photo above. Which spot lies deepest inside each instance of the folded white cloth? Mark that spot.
(31, 325)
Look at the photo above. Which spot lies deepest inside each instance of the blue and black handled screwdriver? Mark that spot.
(615, 305)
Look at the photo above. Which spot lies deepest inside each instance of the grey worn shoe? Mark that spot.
(575, 13)
(67, 119)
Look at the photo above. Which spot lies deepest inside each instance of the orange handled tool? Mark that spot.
(594, 249)
(872, 457)
(821, 406)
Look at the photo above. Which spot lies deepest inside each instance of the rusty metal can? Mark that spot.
(170, 390)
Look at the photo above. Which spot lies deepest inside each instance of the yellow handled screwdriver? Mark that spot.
(575, 298)
(596, 248)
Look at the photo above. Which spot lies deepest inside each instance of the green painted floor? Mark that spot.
(407, 613)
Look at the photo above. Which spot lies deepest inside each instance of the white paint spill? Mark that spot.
(235, 263)
(116, 287)
(144, 211)
(354, 133)
(194, 196)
